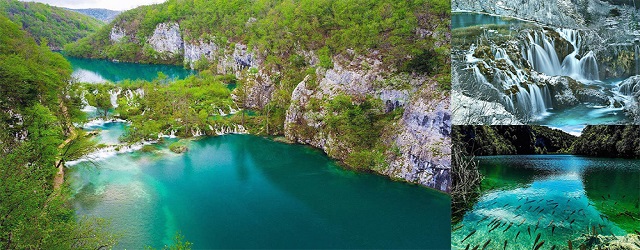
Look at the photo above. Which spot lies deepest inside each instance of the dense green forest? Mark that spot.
(57, 26)
(507, 140)
(595, 140)
(278, 29)
(35, 116)
(609, 141)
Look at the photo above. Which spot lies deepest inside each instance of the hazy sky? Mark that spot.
(571, 129)
(102, 4)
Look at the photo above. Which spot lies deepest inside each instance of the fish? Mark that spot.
(555, 206)
(518, 215)
(637, 232)
(456, 228)
(553, 228)
(520, 198)
(536, 208)
(522, 222)
(486, 244)
(550, 223)
(537, 224)
(554, 211)
(484, 218)
(494, 227)
(519, 206)
(529, 201)
(541, 210)
(476, 247)
(510, 224)
(505, 245)
(572, 221)
(505, 205)
(570, 244)
(469, 235)
(609, 195)
(467, 248)
(529, 231)
(603, 197)
(537, 238)
(539, 245)
(574, 211)
(553, 247)
(518, 234)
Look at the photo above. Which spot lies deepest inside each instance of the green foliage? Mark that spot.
(184, 106)
(505, 140)
(609, 141)
(280, 27)
(53, 25)
(33, 86)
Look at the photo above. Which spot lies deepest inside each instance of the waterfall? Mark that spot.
(534, 102)
(637, 59)
(589, 67)
(540, 52)
(114, 97)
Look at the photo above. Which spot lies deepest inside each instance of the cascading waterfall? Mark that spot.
(540, 53)
(535, 102)
(114, 97)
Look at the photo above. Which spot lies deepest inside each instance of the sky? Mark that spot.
(571, 129)
(101, 4)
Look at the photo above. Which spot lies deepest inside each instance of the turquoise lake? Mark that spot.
(243, 191)
(98, 71)
(559, 197)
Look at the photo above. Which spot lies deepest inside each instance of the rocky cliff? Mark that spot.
(418, 144)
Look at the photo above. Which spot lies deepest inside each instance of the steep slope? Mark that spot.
(104, 15)
(57, 26)
(365, 81)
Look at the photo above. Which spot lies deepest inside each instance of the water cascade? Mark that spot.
(540, 52)
(534, 102)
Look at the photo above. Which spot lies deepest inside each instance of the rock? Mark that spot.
(166, 39)
(178, 147)
(423, 137)
(469, 111)
(193, 51)
(592, 96)
(561, 89)
(630, 86)
(117, 34)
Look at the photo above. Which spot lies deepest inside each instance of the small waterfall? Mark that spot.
(114, 97)
(534, 102)
(589, 67)
(637, 59)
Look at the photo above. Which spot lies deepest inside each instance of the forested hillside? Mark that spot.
(506, 140)
(58, 26)
(278, 29)
(104, 15)
(609, 141)
(34, 83)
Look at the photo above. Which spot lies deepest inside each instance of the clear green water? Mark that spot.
(571, 192)
(466, 19)
(97, 71)
(242, 191)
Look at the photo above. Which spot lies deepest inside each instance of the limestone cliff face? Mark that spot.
(424, 141)
(561, 13)
(421, 138)
(167, 40)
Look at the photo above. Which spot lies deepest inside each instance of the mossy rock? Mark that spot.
(179, 147)
(148, 148)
